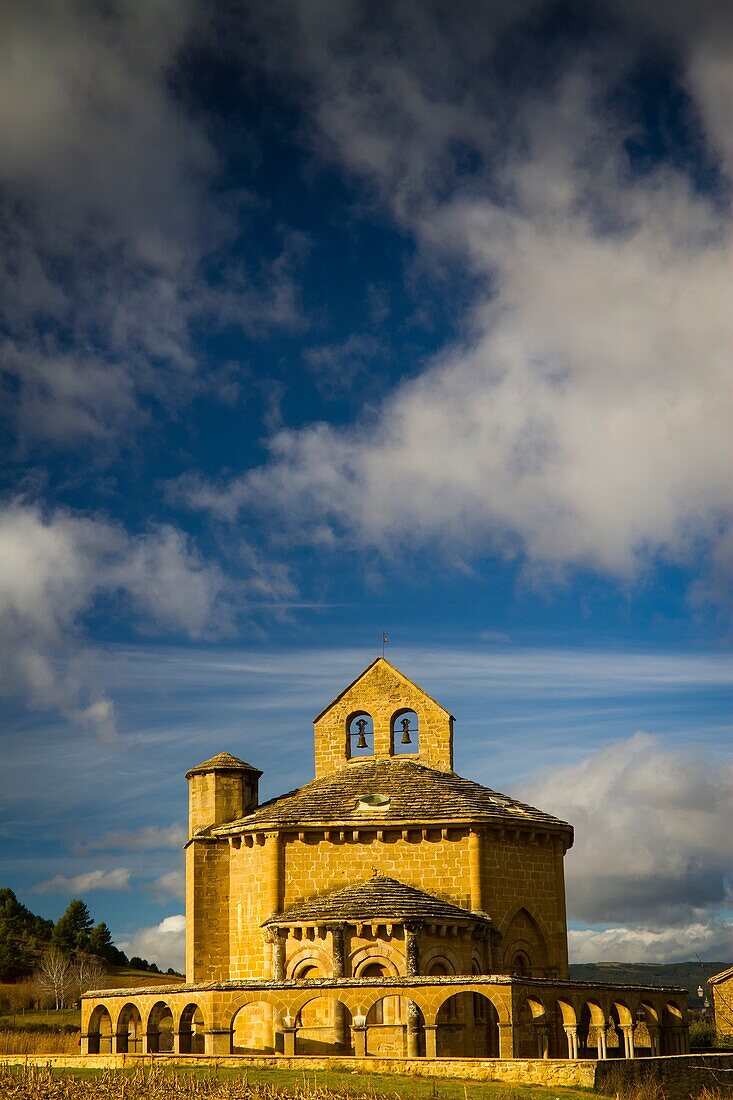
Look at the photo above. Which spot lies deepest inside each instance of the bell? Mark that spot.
(406, 739)
(361, 742)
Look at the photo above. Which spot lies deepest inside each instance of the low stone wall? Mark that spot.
(517, 1071)
(681, 1076)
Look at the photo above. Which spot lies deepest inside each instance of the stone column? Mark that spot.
(359, 1031)
(413, 1030)
(412, 950)
(84, 1043)
(339, 969)
(627, 1031)
(571, 1031)
(431, 1040)
(217, 1042)
(273, 875)
(601, 1042)
(653, 1039)
(543, 1041)
(475, 871)
(289, 1034)
(412, 969)
(275, 938)
(506, 1041)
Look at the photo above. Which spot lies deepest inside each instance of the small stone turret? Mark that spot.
(220, 790)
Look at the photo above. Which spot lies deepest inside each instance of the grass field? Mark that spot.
(47, 1031)
(20, 1083)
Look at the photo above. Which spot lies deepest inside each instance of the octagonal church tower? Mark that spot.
(387, 863)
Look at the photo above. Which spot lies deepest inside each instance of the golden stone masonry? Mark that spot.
(389, 908)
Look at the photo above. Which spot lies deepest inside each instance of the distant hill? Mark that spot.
(689, 975)
(120, 977)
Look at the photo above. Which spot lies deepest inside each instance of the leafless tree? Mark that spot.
(87, 973)
(55, 976)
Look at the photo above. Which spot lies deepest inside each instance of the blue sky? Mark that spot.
(320, 320)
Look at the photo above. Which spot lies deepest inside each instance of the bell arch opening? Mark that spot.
(359, 735)
(404, 733)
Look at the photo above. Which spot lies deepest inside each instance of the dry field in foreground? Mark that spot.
(41, 1083)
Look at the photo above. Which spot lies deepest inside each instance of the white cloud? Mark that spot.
(53, 568)
(170, 885)
(581, 419)
(678, 944)
(147, 839)
(117, 879)
(164, 943)
(653, 845)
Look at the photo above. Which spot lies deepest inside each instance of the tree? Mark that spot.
(100, 941)
(71, 931)
(23, 935)
(87, 973)
(55, 975)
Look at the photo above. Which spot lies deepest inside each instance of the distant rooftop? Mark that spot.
(223, 762)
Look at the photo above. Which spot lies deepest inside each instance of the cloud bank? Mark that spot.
(116, 879)
(164, 943)
(55, 567)
(116, 224)
(653, 851)
(581, 419)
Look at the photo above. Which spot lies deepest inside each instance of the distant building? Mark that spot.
(722, 987)
(388, 907)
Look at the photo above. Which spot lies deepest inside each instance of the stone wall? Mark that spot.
(267, 874)
(381, 691)
(680, 1077)
(723, 1003)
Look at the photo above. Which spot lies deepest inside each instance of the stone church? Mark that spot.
(389, 907)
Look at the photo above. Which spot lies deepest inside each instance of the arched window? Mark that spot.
(376, 1013)
(405, 733)
(360, 735)
(521, 963)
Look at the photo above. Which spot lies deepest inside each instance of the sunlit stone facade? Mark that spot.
(389, 907)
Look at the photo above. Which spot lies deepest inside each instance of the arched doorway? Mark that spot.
(129, 1031)
(99, 1031)
(467, 1027)
(565, 1037)
(646, 1031)
(592, 1031)
(191, 1031)
(323, 1027)
(160, 1029)
(255, 1029)
(674, 1035)
(395, 1028)
(531, 1037)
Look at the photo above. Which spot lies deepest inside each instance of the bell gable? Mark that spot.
(380, 715)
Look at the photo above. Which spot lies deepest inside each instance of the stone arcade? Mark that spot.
(389, 907)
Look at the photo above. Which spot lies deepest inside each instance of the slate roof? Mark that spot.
(415, 793)
(223, 761)
(379, 898)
